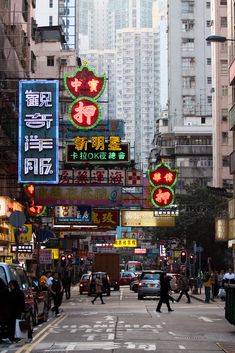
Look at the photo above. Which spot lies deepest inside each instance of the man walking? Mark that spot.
(98, 289)
(164, 292)
(184, 287)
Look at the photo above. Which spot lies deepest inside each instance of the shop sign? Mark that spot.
(103, 218)
(4, 233)
(78, 195)
(221, 229)
(97, 150)
(97, 176)
(55, 254)
(125, 243)
(140, 251)
(136, 218)
(45, 256)
(24, 235)
(38, 141)
(7, 206)
(22, 248)
(72, 214)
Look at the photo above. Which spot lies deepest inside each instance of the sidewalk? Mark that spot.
(201, 297)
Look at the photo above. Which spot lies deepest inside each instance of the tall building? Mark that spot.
(222, 137)
(135, 82)
(130, 89)
(59, 12)
(184, 124)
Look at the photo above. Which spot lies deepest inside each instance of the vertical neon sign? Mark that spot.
(38, 142)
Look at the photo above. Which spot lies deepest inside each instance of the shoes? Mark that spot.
(158, 311)
(103, 303)
(171, 310)
(177, 301)
(29, 340)
(92, 302)
(57, 315)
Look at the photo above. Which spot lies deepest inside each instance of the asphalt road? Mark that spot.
(125, 324)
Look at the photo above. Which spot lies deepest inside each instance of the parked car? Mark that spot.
(34, 299)
(84, 282)
(149, 283)
(134, 284)
(126, 277)
(106, 283)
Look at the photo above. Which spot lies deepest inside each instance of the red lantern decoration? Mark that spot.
(162, 175)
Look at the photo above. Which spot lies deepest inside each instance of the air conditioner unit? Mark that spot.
(63, 61)
(189, 123)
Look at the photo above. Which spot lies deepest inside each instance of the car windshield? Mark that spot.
(85, 277)
(151, 276)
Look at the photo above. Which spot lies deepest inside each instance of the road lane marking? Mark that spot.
(181, 346)
(39, 337)
(206, 319)
(171, 333)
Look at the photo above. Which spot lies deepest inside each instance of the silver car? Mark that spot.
(149, 284)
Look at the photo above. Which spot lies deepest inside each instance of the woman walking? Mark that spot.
(98, 289)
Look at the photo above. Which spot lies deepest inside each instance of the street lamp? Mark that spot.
(218, 39)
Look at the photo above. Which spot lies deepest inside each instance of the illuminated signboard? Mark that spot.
(125, 243)
(32, 209)
(24, 235)
(97, 150)
(72, 215)
(162, 178)
(105, 218)
(22, 248)
(38, 132)
(135, 218)
(85, 87)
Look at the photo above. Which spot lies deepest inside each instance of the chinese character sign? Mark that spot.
(162, 178)
(38, 132)
(85, 87)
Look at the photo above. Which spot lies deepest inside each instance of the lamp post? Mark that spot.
(218, 39)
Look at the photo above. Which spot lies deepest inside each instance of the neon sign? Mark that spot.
(162, 178)
(85, 87)
(33, 210)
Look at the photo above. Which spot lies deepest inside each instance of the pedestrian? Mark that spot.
(56, 288)
(17, 310)
(207, 285)
(66, 281)
(4, 310)
(229, 276)
(164, 292)
(98, 289)
(183, 283)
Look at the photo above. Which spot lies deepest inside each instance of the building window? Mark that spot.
(209, 99)
(223, 22)
(208, 23)
(51, 4)
(208, 5)
(203, 120)
(224, 114)
(25, 10)
(209, 80)
(225, 161)
(224, 138)
(224, 90)
(50, 20)
(188, 44)
(33, 62)
(224, 66)
(50, 61)
(34, 3)
(223, 2)
(208, 61)
(187, 25)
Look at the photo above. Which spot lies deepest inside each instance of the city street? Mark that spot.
(125, 324)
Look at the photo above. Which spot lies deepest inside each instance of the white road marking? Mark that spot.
(181, 347)
(206, 319)
(121, 294)
(171, 333)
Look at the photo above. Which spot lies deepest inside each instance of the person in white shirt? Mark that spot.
(229, 276)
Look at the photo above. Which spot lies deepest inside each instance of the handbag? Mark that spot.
(24, 325)
(18, 332)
